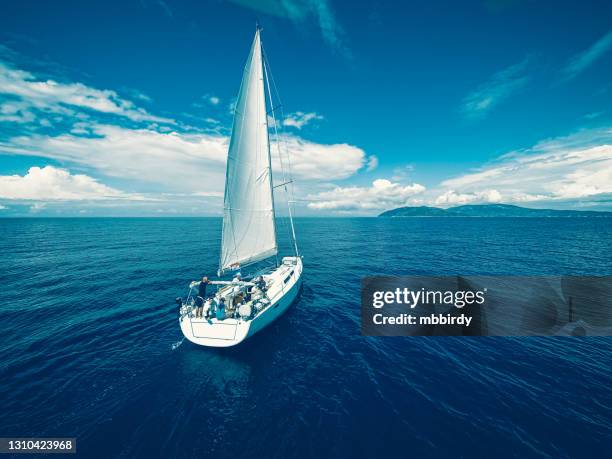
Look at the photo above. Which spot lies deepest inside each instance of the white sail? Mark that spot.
(249, 233)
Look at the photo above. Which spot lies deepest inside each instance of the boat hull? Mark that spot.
(284, 289)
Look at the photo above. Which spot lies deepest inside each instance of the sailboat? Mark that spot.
(243, 306)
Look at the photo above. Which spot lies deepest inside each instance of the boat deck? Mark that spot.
(275, 289)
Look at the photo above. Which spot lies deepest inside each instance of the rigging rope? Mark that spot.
(288, 192)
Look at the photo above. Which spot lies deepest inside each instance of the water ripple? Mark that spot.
(90, 338)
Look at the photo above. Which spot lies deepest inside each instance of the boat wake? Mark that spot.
(175, 346)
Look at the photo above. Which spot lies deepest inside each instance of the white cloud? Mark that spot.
(52, 96)
(317, 161)
(136, 94)
(581, 61)
(206, 99)
(402, 173)
(38, 206)
(500, 87)
(452, 198)
(208, 194)
(231, 107)
(372, 163)
(16, 111)
(300, 119)
(53, 184)
(383, 194)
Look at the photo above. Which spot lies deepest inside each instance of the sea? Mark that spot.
(91, 347)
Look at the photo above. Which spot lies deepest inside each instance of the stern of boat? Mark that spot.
(282, 287)
(213, 332)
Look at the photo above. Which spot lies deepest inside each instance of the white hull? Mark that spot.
(284, 285)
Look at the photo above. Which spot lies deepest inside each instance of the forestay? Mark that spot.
(249, 233)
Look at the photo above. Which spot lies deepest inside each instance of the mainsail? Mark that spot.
(249, 234)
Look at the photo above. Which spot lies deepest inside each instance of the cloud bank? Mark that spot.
(30, 94)
(382, 194)
(111, 137)
(574, 168)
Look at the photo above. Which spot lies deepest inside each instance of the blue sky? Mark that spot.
(124, 108)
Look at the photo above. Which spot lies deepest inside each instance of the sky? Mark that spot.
(125, 108)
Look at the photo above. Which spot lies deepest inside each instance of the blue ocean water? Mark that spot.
(88, 323)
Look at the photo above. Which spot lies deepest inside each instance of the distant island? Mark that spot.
(489, 210)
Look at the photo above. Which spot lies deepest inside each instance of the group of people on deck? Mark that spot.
(216, 307)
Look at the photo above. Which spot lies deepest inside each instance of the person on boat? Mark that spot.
(198, 310)
(207, 305)
(220, 313)
(212, 309)
(260, 283)
(201, 296)
(237, 277)
(202, 287)
(248, 293)
(238, 299)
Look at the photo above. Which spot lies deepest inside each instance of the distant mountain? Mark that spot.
(489, 210)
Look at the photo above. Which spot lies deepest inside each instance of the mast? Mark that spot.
(259, 29)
